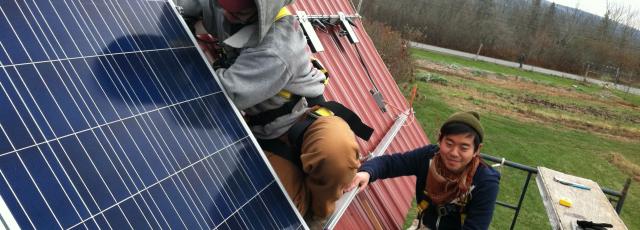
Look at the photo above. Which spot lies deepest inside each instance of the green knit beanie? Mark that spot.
(470, 118)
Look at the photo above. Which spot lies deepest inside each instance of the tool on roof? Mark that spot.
(346, 24)
(308, 22)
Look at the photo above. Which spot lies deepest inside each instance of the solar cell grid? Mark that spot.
(111, 119)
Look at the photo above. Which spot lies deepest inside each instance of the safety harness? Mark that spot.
(454, 207)
(291, 148)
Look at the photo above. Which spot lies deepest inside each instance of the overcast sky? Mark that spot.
(598, 7)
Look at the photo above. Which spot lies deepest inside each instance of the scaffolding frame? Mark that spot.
(614, 196)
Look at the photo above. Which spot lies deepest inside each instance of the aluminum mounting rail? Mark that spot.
(343, 203)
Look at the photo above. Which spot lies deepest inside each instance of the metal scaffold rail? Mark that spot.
(619, 196)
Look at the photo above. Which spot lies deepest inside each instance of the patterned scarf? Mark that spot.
(444, 186)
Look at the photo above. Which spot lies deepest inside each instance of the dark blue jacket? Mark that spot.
(478, 211)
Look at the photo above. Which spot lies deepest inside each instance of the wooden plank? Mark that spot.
(591, 205)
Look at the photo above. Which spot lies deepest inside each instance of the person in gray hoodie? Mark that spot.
(270, 74)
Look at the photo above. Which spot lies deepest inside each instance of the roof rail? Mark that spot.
(309, 22)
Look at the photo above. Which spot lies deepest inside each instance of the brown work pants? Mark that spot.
(329, 162)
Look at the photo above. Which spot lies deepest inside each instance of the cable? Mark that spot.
(366, 69)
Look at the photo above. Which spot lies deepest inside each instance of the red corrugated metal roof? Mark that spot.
(385, 204)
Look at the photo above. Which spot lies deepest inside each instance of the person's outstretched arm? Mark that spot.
(393, 165)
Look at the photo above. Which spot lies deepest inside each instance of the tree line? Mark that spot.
(542, 33)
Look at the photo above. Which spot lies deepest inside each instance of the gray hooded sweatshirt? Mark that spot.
(271, 56)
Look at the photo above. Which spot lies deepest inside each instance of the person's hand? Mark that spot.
(360, 180)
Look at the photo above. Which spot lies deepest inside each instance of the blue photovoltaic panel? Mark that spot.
(111, 119)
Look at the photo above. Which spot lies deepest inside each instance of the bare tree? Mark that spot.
(552, 36)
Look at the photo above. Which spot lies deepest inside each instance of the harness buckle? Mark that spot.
(442, 210)
(321, 112)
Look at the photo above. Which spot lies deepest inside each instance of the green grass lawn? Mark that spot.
(486, 66)
(573, 151)
(631, 98)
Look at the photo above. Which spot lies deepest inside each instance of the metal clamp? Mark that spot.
(307, 27)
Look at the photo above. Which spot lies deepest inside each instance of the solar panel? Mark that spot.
(111, 118)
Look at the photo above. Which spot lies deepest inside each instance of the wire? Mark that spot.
(411, 117)
(366, 69)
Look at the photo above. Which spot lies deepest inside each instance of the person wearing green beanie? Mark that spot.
(454, 189)
(472, 119)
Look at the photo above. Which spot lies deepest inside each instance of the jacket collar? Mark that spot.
(245, 37)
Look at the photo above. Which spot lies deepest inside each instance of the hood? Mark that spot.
(214, 22)
(252, 35)
(267, 12)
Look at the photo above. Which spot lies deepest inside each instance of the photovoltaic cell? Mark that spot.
(112, 119)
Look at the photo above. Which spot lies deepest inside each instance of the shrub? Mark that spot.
(431, 77)
(395, 51)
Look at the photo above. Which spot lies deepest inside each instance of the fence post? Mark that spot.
(623, 196)
(522, 194)
(586, 74)
(478, 53)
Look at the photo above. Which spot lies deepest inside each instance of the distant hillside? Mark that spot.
(542, 33)
(596, 18)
